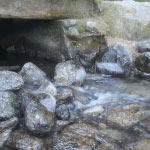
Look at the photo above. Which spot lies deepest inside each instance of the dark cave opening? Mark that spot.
(10, 59)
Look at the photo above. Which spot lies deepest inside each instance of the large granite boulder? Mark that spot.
(46, 9)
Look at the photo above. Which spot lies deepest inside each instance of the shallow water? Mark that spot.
(121, 105)
(112, 113)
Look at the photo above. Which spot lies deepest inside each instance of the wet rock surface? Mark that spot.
(69, 72)
(143, 62)
(39, 113)
(23, 141)
(102, 113)
(110, 68)
(120, 55)
(143, 46)
(9, 105)
(10, 81)
(6, 129)
(32, 74)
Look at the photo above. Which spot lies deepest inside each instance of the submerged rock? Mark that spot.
(142, 144)
(21, 140)
(39, 113)
(94, 111)
(109, 68)
(32, 74)
(8, 105)
(80, 136)
(69, 72)
(122, 118)
(142, 62)
(143, 46)
(10, 81)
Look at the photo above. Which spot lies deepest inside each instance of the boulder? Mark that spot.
(64, 95)
(81, 136)
(62, 112)
(8, 105)
(142, 62)
(10, 81)
(23, 141)
(38, 112)
(48, 88)
(32, 9)
(143, 46)
(32, 74)
(113, 69)
(69, 72)
(119, 54)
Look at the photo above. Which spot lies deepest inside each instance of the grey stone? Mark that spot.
(94, 111)
(4, 136)
(10, 81)
(39, 113)
(143, 46)
(21, 140)
(8, 105)
(48, 88)
(119, 54)
(62, 112)
(6, 129)
(70, 23)
(122, 118)
(64, 95)
(32, 74)
(69, 72)
(73, 31)
(142, 62)
(92, 26)
(109, 68)
(11, 123)
(88, 135)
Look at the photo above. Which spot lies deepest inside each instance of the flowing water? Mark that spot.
(105, 113)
